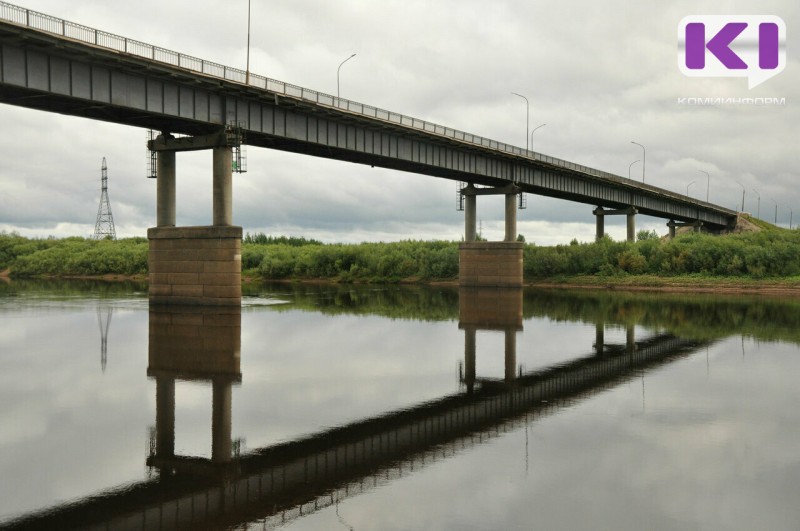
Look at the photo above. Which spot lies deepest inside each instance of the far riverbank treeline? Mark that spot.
(766, 254)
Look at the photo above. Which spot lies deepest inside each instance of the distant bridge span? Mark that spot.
(58, 66)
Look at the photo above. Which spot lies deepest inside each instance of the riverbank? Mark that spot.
(789, 286)
(765, 262)
(783, 287)
(779, 287)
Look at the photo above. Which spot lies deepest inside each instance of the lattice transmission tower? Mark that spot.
(104, 226)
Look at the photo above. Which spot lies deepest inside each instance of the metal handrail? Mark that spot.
(49, 24)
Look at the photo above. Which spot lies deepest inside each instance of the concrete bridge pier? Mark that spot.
(195, 265)
(495, 264)
(600, 214)
(673, 225)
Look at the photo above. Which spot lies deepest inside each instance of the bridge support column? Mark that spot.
(599, 215)
(470, 216)
(511, 218)
(165, 189)
(223, 186)
(671, 224)
(632, 225)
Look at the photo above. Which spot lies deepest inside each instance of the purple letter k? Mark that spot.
(718, 45)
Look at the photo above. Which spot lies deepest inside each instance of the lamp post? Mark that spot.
(247, 71)
(337, 73)
(644, 157)
(758, 211)
(740, 184)
(630, 166)
(534, 130)
(687, 187)
(527, 117)
(776, 211)
(790, 217)
(708, 182)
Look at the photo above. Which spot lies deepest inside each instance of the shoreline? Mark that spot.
(641, 283)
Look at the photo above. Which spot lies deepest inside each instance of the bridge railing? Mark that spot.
(42, 22)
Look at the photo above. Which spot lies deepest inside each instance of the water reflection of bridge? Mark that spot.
(282, 482)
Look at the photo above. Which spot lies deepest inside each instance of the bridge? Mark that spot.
(282, 482)
(53, 65)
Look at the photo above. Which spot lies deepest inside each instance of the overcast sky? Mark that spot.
(600, 74)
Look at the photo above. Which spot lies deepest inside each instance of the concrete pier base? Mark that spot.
(195, 265)
(490, 264)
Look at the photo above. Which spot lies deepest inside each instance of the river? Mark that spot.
(388, 407)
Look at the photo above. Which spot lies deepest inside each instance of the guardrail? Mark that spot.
(47, 23)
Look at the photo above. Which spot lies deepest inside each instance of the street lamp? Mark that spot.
(337, 73)
(247, 74)
(776, 211)
(740, 184)
(644, 157)
(527, 117)
(790, 217)
(708, 183)
(630, 166)
(758, 211)
(687, 187)
(534, 130)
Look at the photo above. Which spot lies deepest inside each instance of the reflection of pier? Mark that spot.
(281, 482)
(489, 309)
(201, 345)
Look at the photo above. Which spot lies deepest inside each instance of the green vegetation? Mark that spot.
(768, 254)
(263, 239)
(364, 262)
(772, 254)
(72, 256)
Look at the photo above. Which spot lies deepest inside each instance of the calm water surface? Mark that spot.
(397, 408)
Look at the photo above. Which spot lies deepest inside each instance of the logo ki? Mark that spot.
(751, 46)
